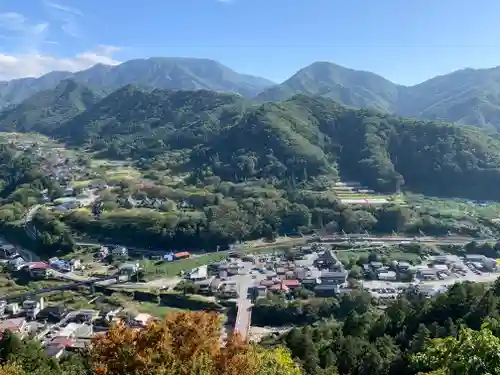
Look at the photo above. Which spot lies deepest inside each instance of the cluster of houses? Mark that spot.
(393, 272)
(61, 331)
(319, 271)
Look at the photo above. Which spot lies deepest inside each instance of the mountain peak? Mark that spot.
(170, 73)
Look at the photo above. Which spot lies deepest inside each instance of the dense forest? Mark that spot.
(405, 338)
(204, 215)
(291, 141)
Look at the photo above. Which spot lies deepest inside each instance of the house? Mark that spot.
(199, 273)
(52, 314)
(120, 251)
(38, 270)
(168, 257)
(15, 325)
(181, 255)
(271, 275)
(61, 265)
(376, 265)
(32, 308)
(403, 266)
(16, 264)
(84, 318)
(387, 276)
(13, 308)
(56, 349)
(290, 284)
(330, 282)
(278, 288)
(427, 273)
(76, 264)
(441, 267)
(310, 282)
(474, 258)
(142, 319)
(75, 330)
(260, 291)
(129, 268)
(103, 252)
(335, 277)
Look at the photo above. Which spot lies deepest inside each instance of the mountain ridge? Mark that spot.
(466, 96)
(155, 72)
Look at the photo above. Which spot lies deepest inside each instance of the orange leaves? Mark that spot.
(183, 344)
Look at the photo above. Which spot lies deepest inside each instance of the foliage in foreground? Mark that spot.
(471, 353)
(182, 344)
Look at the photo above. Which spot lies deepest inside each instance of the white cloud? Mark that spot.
(17, 23)
(65, 8)
(66, 16)
(35, 65)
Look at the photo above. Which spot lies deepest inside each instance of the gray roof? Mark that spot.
(336, 274)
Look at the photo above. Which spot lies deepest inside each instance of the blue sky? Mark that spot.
(405, 41)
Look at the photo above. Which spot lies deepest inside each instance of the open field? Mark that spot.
(390, 254)
(354, 193)
(171, 269)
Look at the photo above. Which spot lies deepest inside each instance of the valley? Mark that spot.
(141, 202)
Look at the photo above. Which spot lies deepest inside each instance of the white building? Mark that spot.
(200, 273)
(387, 276)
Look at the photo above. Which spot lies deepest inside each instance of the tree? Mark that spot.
(472, 353)
(184, 343)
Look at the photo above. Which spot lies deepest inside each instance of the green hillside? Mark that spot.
(289, 141)
(467, 96)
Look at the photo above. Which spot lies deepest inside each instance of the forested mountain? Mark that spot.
(132, 122)
(347, 86)
(467, 96)
(155, 72)
(292, 140)
(46, 110)
(17, 90)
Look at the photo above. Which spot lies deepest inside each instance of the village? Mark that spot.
(313, 269)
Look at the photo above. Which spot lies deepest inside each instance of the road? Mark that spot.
(244, 305)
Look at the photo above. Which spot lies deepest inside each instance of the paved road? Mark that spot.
(244, 305)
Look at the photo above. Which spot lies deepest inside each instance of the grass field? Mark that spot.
(454, 208)
(391, 254)
(171, 269)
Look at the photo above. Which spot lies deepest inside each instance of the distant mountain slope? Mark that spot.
(155, 72)
(132, 122)
(304, 137)
(46, 110)
(466, 96)
(288, 141)
(17, 90)
(347, 86)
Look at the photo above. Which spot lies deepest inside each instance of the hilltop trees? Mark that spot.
(471, 353)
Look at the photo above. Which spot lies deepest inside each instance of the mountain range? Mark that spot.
(288, 141)
(155, 72)
(468, 96)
